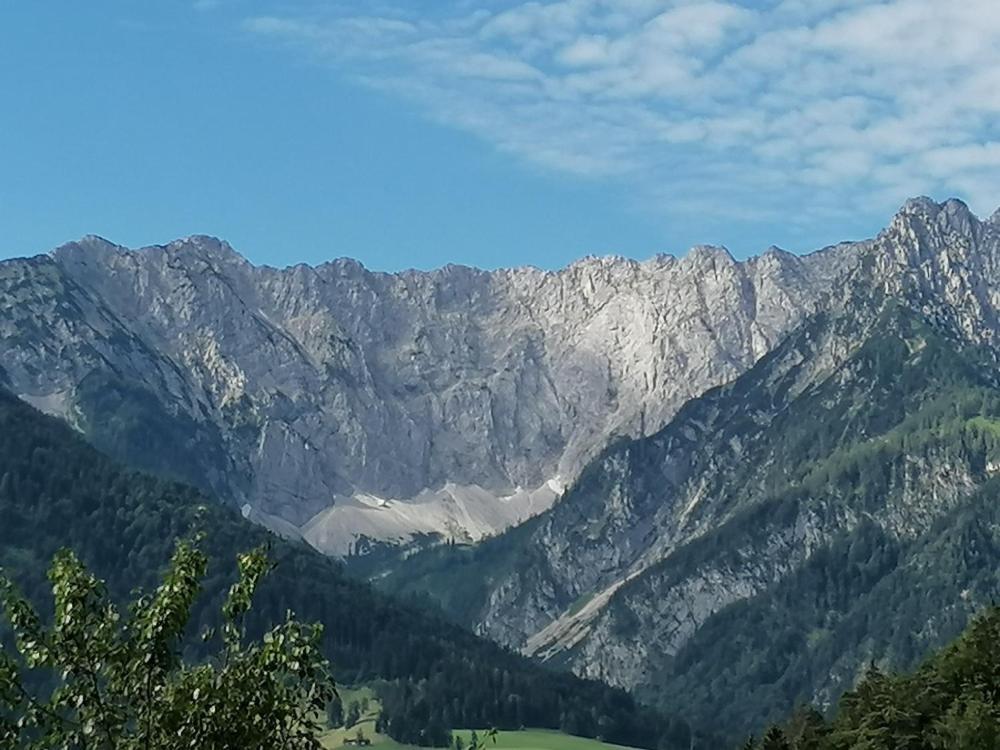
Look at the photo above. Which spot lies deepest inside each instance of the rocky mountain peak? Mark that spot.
(88, 244)
(920, 205)
(207, 244)
(598, 266)
(710, 255)
(953, 215)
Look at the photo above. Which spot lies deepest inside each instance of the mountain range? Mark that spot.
(351, 407)
(723, 486)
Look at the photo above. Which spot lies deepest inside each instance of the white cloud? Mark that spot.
(707, 103)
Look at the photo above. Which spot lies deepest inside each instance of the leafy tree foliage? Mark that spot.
(119, 682)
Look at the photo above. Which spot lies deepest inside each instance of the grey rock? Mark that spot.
(352, 405)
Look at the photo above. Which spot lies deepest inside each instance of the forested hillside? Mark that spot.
(56, 491)
(951, 702)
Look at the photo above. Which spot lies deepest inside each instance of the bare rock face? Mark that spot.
(354, 407)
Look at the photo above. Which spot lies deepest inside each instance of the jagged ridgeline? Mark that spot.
(346, 406)
(56, 491)
(836, 504)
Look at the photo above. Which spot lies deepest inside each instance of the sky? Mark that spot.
(415, 133)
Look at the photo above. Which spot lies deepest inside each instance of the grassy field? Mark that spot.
(334, 738)
(539, 739)
(527, 739)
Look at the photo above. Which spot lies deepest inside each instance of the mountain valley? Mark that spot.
(697, 480)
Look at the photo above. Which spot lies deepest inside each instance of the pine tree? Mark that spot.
(775, 739)
(805, 729)
(353, 714)
(335, 713)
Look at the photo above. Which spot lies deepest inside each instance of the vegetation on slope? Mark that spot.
(56, 491)
(951, 702)
(914, 464)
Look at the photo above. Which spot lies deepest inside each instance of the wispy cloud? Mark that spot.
(715, 106)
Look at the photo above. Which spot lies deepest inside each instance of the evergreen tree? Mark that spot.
(805, 729)
(774, 739)
(353, 714)
(335, 713)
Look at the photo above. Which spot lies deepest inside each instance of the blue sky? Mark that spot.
(490, 132)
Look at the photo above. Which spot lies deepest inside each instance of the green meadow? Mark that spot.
(525, 739)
